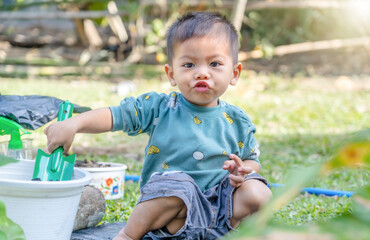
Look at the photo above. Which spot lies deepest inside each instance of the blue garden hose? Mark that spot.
(134, 178)
(320, 191)
(314, 191)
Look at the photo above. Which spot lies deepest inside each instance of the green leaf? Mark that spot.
(157, 25)
(361, 206)
(98, 6)
(365, 193)
(346, 227)
(354, 153)
(8, 229)
(257, 224)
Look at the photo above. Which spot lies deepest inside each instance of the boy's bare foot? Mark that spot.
(122, 235)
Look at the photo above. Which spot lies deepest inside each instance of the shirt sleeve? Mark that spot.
(249, 145)
(136, 115)
(251, 148)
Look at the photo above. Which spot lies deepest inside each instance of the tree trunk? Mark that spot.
(237, 14)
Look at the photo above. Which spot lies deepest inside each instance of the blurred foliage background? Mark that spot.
(264, 24)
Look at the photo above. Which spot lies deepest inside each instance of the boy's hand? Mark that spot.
(237, 170)
(60, 134)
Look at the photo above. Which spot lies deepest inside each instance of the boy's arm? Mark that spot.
(253, 165)
(238, 169)
(62, 133)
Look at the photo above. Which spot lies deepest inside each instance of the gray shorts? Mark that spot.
(208, 212)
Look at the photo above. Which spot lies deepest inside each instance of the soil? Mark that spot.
(91, 164)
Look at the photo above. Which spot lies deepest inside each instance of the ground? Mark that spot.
(304, 106)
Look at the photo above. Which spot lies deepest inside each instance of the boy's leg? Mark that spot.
(248, 198)
(154, 214)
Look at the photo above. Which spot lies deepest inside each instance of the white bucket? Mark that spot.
(44, 210)
(109, 180)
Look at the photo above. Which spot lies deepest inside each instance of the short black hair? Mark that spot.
(199, 24)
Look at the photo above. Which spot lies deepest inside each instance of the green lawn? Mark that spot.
(300, 121)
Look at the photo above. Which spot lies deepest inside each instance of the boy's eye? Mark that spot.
(214, 64)
(188, 65)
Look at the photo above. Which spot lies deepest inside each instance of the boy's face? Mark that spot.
(202, 68)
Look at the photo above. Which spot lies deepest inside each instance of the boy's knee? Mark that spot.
(248, 199)
(171, 204)
(174, 202)
(255, 193)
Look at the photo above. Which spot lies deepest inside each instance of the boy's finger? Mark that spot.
(66, 148)
(235, 185)
(227, 164)
(236, 179)
(46, 130)
(236, 159)
(51, 148)
(245, 170)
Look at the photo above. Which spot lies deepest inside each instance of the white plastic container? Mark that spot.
(109, 180)
(44, 210)
(24, 153)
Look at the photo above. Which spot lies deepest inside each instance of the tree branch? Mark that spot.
(308, 47)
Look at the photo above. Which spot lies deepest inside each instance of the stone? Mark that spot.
(91, 208)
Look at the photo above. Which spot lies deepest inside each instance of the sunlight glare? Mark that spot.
(361, 8)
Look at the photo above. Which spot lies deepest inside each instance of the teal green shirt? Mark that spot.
(186, 137)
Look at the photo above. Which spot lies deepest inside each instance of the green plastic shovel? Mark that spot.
(55, 167)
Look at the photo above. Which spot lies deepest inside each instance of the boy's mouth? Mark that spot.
(201, 86)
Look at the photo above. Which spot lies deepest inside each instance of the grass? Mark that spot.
(305, 209)
(299, 120)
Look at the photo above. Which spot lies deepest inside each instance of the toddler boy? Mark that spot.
(200, 174)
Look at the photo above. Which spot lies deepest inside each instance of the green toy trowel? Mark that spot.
(55, 167)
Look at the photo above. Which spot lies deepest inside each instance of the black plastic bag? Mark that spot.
(32, 111)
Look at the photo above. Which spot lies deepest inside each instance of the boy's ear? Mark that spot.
(169, 72)
(236, 74)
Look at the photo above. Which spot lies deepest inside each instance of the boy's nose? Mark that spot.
(202, 74)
